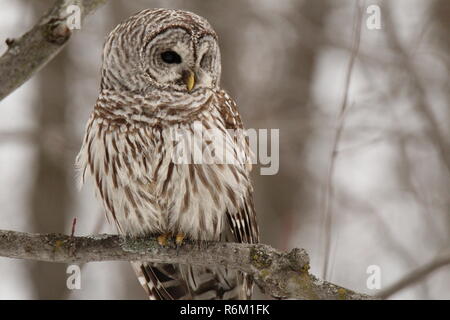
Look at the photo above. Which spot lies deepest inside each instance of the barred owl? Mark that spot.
(160, 76)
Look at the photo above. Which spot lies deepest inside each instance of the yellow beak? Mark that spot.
(189, 79)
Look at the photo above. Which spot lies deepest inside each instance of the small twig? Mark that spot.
(74, 223)
(329, 193)
(416, 275)
(279, 274)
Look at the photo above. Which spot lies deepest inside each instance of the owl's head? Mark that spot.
(161, 49)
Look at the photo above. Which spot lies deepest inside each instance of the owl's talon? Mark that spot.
(179, 238)
(163, 239)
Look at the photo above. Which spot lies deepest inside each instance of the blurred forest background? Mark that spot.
(384, 183)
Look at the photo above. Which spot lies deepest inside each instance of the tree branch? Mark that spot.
(279, 274)
(416, 275)
(32, 51)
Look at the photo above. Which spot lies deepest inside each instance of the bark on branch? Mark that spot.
(29, 53)
(279, 274)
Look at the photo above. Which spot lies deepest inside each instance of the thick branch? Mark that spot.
(29, 53)
(279, 274)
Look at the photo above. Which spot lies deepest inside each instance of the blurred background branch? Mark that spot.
(329, 193)
(417, 275)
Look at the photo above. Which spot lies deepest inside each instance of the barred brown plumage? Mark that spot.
(130, 151)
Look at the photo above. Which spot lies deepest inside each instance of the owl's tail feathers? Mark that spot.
(183, 282)
(161, 281)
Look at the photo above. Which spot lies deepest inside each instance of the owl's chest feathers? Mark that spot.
(147, 190)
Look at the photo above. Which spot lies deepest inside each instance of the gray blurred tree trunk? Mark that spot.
(288, 197)
(51, 197)
(441, 14)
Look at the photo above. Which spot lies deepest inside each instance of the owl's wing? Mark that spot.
(242, 223)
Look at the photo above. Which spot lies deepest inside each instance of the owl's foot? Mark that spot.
(179, 238)
(163, 239)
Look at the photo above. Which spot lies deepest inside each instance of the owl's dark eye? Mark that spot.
(171, 57)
